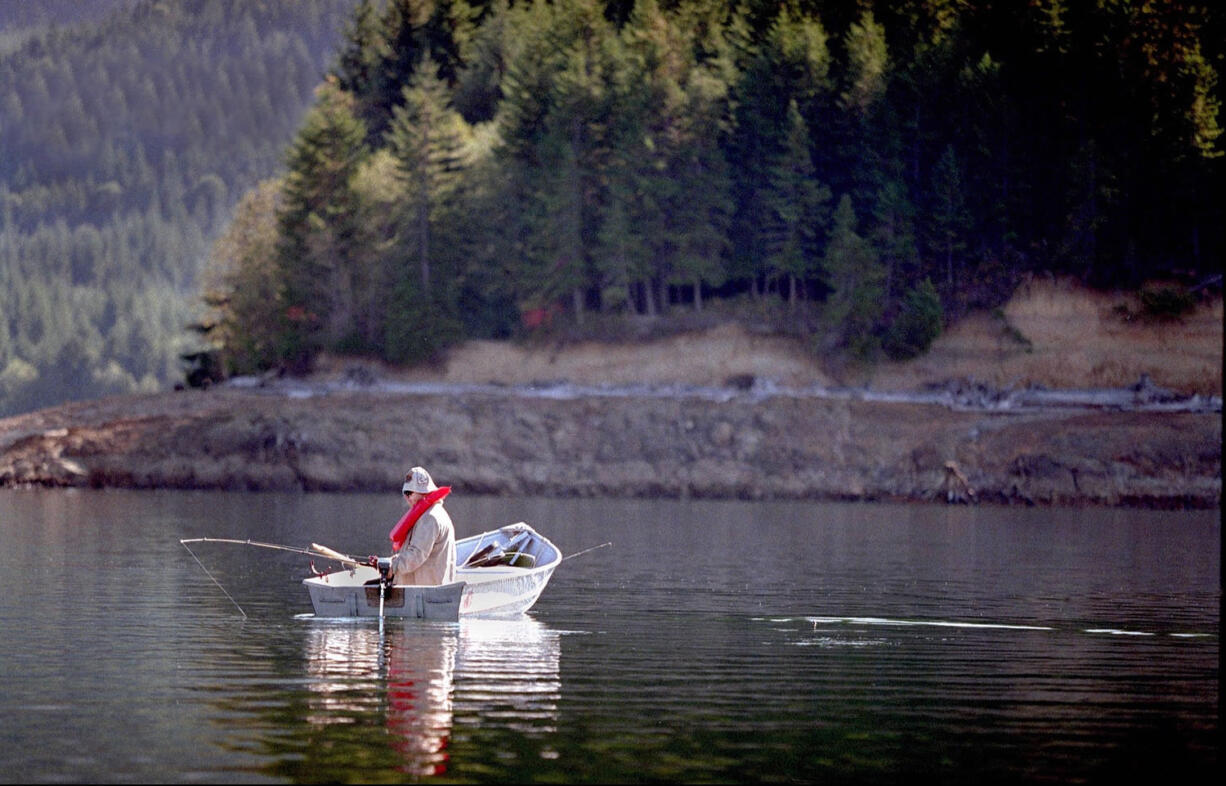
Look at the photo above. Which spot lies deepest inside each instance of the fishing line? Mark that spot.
(315, 551)
(215, 581)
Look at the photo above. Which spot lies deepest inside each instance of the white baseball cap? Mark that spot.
(419, 481)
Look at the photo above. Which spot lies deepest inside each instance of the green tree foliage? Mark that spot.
(643, 154)
(321, 233)
(384, 48)
(867, 65)
(668, 209)
(797, 210)
(949, 220)
(430, 142)
(917, 324)
(360, 67)
(127, 133)
(856, 278)
(788, 62)
(893, 234)
(241, 283)
(617, 156)
(423, 324)
(557, 91)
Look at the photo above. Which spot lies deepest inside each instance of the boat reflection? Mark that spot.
(507, 674)
(484, 672)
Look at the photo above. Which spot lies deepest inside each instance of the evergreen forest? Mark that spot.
(490, 168)
(128, 131)
(389, 177)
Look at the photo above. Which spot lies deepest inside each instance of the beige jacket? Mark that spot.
(428, 556)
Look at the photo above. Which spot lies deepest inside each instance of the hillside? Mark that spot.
(1052, 333)
(356, 426)
(128, 131)
(584, 161)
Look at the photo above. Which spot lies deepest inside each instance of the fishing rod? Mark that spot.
(585, 551)
(315, 551)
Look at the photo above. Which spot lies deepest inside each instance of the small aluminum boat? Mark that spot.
(498, 573)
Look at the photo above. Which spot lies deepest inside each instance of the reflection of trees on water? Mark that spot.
(428, 680)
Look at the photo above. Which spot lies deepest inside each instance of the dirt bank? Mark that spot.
(1053, 333)
(725, 413)
(690, 446)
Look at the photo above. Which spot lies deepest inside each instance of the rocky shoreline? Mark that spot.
(734, 444)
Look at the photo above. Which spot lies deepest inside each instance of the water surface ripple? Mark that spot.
(723, 642)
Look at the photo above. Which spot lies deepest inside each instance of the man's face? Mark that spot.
(413, 497)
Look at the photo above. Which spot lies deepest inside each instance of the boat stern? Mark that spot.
(344, 596)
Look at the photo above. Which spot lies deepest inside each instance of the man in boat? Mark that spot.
(425, 538)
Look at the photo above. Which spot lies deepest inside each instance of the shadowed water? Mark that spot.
(714, 641)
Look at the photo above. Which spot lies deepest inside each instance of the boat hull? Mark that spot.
(507, 593)
(333, 596)
(488, 591)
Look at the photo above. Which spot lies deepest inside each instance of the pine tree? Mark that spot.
(318, 227)
(949, 218)
(527, 85)
(855, 278)
(667, 158)
(893, 235)
(702, 216)
(553, 120)
(429, 141)
(240, 284)
(917, 325)
(868, 65)
(623, 257)
(867, 141)
(359, 68)
(798, 212)
(791, 64)
(410, 31)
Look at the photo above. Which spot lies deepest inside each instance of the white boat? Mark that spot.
(498, 573)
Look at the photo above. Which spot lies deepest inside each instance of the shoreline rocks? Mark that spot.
(736, 446)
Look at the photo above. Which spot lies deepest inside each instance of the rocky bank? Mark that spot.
(734, 443)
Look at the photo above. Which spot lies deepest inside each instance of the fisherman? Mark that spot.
(424, 539)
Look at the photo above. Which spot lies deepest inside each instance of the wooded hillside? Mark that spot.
(128, 130)
(478, 168)
(409, 173)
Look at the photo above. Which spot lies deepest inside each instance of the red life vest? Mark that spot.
(400, 532)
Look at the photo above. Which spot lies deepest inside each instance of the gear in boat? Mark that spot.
(517, 553)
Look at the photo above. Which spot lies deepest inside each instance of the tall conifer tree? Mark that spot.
(855, 277)
(948, 216)
(318, 226)
(429, 141)
(798, 211)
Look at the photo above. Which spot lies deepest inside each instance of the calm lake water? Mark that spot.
(713, 641)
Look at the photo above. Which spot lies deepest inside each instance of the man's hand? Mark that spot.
(372, 561)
